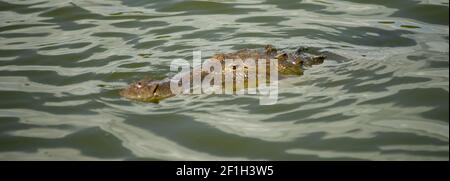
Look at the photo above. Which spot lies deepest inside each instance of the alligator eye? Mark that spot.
(282, 56)
(139, 85)
(300, 62)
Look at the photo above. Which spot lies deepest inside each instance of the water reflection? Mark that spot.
(382, 94)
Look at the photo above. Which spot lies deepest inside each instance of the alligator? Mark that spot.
(289, 64)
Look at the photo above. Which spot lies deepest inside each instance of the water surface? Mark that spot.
(383, 93)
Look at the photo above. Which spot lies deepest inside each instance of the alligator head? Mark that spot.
(295, 63)
(147, 91)
(288, 64)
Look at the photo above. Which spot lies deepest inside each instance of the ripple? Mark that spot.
(204, 7)
(430, 13)
(382, 93)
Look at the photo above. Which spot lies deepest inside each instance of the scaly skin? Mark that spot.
(148, 90)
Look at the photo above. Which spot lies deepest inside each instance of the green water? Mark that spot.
(382, 94)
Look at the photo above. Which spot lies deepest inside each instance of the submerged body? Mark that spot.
(148, 90)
